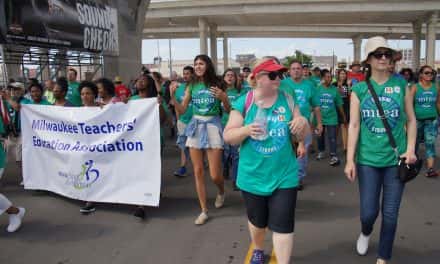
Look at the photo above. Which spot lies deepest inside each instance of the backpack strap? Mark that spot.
(248, 102)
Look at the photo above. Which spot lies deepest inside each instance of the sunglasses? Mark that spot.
(379, 54)
(273, 75)
(428, 73)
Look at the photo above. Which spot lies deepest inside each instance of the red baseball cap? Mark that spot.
(269, 66)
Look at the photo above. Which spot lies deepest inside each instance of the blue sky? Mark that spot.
(187, 49)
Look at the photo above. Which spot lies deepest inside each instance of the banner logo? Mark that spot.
(86, 178)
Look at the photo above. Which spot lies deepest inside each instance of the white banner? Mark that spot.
(109, 154)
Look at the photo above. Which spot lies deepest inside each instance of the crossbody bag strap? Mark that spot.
(383, 118)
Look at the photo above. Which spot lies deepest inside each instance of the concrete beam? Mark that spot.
(417, 36)
(217, 8)
(203, 28)
(213, 44)
(225, 52)
(430, 39)
(357, 44)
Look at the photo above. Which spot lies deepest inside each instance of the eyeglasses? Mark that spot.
(428, 73)
(273, 75)
(379, 54)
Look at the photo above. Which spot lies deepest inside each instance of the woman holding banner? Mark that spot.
(89, 93)
(204, 131)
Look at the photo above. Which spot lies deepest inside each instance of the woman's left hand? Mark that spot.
(301, 150)
(217, 92)
(410, 157)
(299, 127)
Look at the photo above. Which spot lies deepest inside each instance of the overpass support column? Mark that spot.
(225, 53)
(213, 44)
(357, 43)
(203, 29)
(417, 29)
(430, 39)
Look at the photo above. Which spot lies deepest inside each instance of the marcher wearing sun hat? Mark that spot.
(376, 162)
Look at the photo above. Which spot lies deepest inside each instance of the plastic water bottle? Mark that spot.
(261, 120)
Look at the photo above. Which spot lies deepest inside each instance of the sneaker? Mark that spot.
(219, 200)
(362, 244)
(234, 186)
(181, 172)
(15, 220)
(320, 156)
(88, 208)
(301, 185)
(431, 173)
(202, 218)
(381, 261)
(140, 213)
(334, 161)
(22, 183)
(257, 257)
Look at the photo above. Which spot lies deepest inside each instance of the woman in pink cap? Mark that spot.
(262, 122)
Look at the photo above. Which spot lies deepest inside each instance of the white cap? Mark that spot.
(17, 85)
(373, 44)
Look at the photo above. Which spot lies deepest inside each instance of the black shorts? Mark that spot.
(277, 211)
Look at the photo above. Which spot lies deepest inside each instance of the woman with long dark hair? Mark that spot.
(376, 164)
(230, 154)
(204, 132)
(343, 85)
(427, 107)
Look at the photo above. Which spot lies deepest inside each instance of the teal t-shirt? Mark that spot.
(329, 100)
(203, 101)
(304, 93)
(425, 102)
(373, 148)
(73, 94)
(42, 102)
(180, 94)
(233, 94)
(316, 80)
(270, 164)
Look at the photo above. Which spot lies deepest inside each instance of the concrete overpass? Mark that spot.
(352, 19)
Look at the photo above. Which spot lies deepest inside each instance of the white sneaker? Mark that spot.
(202, 218)
(15, 220)
(362, 244)
(219, 200)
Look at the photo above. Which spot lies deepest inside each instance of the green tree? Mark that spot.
(300, 56)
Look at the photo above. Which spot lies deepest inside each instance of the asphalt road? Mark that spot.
(327, 225)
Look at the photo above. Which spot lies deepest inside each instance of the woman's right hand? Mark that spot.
(254, 130)
(350, 171)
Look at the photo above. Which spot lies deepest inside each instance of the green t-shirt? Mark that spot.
(270, 164)
(425, 102)
(73, 94)
(329, 100)
(203, 101)
(180, 94)
(316, 80)
(42, 102)
(304, 93)
(233, 94)
(373, 148)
